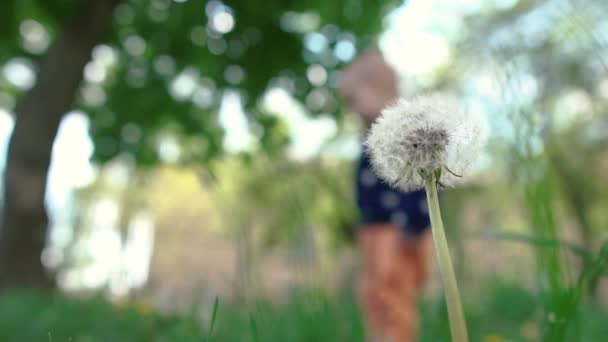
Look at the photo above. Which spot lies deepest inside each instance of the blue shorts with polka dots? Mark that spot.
(379, 203)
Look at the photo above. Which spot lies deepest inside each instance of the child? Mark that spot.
(393, 239)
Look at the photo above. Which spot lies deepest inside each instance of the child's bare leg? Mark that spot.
(393, 270)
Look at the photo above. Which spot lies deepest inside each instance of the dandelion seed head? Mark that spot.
(421, 136)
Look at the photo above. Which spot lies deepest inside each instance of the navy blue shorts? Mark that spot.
(380, 204)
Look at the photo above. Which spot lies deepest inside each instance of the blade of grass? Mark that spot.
(213, 318)
(254, 327)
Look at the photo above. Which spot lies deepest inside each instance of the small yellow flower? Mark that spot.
(530, 330)
(143, 308)
(493, 338)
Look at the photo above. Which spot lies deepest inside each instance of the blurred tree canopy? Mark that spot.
(144, 70)
(164, 64)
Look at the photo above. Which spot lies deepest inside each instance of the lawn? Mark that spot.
(501, 313)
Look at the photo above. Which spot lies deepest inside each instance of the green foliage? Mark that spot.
(155, 41)
(37, 317)
(502, 312)
(308, 316)
(280, 197)
(553, 160)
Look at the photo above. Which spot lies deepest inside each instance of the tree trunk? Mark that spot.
(24, 220)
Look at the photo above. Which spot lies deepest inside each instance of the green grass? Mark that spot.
(28, 317)
(500, 313)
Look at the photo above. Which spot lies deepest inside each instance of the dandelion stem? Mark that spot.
(456, 317)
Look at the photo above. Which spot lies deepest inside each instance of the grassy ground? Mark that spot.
(505, 314)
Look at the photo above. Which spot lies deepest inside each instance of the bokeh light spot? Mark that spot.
(315, 42)
(316, 74)
(35, 37)
(234, 74)
(223, 22)
(135, 45)
(345, 50)
(20, 73)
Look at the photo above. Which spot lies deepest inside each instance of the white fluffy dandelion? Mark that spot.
(427, 141)
(428, 135)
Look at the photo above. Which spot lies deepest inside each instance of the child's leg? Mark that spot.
(393, 271)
